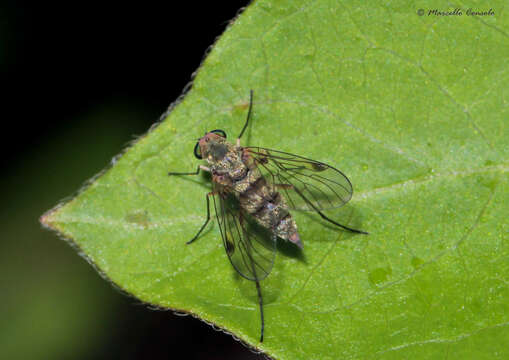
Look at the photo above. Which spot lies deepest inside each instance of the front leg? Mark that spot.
(204, 168)
(206, 221)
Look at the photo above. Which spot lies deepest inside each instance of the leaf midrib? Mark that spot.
(363, 195)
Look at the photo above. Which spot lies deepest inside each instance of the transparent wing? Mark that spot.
(251, 248)
(303, 182)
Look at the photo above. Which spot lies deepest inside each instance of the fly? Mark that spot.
(254, 191)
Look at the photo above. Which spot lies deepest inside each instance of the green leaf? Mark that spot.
(412, 108)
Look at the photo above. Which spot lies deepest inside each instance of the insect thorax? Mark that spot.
(226, 163)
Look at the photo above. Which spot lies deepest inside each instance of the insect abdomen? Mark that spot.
(266, 206)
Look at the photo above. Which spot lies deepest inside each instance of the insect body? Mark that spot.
(254, 191)
(234, 170)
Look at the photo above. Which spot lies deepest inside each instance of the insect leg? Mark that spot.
(260, 303)
(248, 247)
(204, 168)
(206, 221)
(248, 116)
(323, 215)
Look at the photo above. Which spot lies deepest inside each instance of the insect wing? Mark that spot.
(306, 184)
(250, 247)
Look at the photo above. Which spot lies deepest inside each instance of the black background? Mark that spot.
(59, 63)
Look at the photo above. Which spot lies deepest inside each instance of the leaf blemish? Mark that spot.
(379, 275)
(138, 217)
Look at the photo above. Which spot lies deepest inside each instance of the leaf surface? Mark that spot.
(412, 108)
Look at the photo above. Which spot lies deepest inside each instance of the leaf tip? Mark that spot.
(47, 219)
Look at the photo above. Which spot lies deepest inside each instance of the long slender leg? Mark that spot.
(325, 217)
(248, 116)
(204, 168)
(206, 221)
(260, 302)
(253, 269)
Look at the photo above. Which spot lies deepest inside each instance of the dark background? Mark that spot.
(82, 80)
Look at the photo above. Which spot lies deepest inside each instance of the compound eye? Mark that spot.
(197, 151)
(220, 132)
